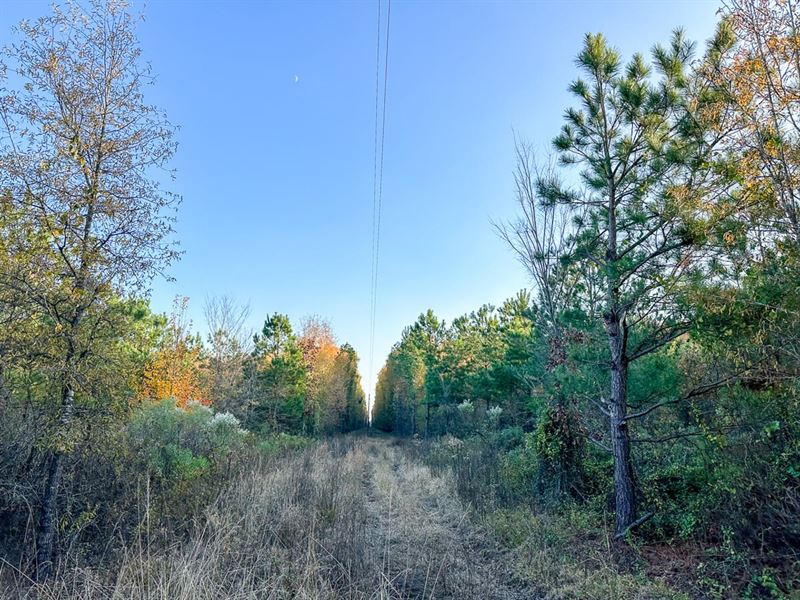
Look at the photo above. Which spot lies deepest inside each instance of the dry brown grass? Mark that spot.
(352, 518)
(429, 547)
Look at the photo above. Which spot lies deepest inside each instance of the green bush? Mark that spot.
(521, 465)
(182, 454)
(281, 443)
(509, 438)
(175, 443)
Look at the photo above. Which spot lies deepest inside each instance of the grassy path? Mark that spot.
(422, 541)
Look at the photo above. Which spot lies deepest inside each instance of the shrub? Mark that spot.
(182, 456)
(176, 443)
(281, 443)
(521, 465)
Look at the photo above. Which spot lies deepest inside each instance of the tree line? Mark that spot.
(100, 397)
(277, 380)
(655, 359)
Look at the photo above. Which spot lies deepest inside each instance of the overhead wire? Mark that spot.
(377, 184)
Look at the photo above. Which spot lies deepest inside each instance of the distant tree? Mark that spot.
(281, 379)
(229, 344)
(420, 362)
(319, 348)
(354, 415)
(176, 368)
(401, 400)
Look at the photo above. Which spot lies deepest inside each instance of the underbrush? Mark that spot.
(569, 555)
(289, 526)
(560, 536)
(281, 443)
(134, 489)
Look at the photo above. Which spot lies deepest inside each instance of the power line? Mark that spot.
(377, 183)
(374, 210)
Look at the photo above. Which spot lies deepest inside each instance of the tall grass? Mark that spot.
(290, 527)
(350, 518)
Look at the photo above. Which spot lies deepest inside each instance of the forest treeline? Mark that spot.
(653, 370)
(113, 416)
(274, 381)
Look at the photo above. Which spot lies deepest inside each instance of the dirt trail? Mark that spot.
(420, 534)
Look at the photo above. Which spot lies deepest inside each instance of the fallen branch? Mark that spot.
(635, 524)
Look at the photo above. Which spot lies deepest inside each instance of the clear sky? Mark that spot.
(276, 173)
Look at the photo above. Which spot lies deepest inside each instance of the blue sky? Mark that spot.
(276, 175)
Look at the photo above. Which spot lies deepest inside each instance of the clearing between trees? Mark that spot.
(625, 428)
(354, 517)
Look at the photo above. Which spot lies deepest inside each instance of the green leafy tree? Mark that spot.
(80, 147)
(354, 415)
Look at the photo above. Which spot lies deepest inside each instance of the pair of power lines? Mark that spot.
(377, 177)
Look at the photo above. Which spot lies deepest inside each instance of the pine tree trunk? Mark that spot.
(624, 488)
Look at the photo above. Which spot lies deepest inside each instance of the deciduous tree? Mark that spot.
(81, 162)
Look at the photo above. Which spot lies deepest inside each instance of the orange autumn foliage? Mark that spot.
(176, 369)
(760, 115)
(176, 373)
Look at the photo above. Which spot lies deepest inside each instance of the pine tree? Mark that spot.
(638, 233)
